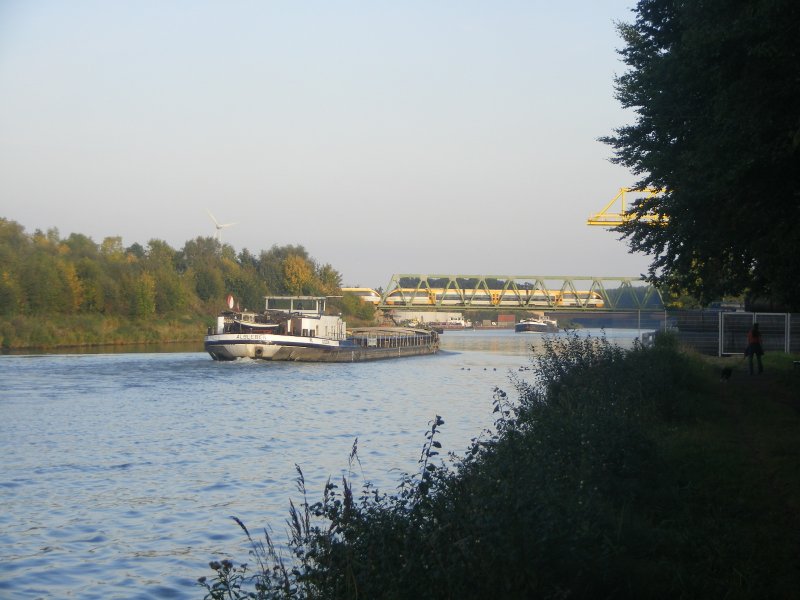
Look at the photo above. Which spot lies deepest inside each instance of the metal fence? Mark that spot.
(723, 333)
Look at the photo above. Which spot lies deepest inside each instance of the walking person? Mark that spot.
(754, 348)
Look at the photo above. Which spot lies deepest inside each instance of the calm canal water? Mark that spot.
(120, 471)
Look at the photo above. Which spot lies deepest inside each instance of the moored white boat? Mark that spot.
(295, 328)
(451, 323)
(539, 324)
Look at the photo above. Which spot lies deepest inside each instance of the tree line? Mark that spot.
(43, 273)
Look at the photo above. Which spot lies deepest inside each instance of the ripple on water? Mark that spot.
(139, 460)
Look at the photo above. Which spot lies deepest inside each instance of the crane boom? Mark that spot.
(609, 218)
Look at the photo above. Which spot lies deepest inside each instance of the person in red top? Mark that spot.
(754, 348)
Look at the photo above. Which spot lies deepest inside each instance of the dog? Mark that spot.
(725, 375)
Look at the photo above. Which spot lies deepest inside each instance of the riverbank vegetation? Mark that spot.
(57, 292)
(72, 331)
(610, 474)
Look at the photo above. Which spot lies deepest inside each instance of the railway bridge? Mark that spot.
(447, 292)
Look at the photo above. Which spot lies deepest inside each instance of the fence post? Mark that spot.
(721, 324)
(787, 322)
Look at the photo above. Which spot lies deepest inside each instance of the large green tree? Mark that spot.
(715, 86)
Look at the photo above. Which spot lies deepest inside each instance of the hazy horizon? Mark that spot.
(384, 138)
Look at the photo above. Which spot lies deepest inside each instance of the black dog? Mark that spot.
(726, 373)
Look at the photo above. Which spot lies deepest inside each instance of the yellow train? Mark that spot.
(482, 298)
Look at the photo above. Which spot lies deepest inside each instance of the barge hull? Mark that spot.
(304, 354)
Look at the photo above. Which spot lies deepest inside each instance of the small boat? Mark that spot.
(296, 328)
(539, 324)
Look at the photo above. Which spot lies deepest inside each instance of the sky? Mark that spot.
(432, 136)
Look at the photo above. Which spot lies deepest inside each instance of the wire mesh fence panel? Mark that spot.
(725, 333)
(773, 331)
(794, 333)
(697, 329)
(735, 326)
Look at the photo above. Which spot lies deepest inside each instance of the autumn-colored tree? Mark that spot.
(44, 274)
(72, 286)
(112, 248)
(92, 279)
(330, 280)
(298, 275)
(143, 303)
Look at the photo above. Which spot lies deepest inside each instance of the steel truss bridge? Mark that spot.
(519, 293)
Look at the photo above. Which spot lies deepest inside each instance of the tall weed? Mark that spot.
(566, 496)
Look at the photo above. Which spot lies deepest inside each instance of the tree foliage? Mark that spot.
(45, 274)
(716, 90)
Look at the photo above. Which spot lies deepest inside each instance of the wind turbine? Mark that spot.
(219, 226)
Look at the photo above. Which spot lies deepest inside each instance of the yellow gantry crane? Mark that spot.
(608, 218)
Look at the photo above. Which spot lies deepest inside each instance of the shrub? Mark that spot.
(565, 496)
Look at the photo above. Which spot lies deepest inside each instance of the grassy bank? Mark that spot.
(612, 474)
(66, 331)
(21, 333)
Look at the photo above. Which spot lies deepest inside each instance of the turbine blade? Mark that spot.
(213, 218)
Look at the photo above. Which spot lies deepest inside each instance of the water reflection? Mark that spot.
(512, 343)
(121, 469)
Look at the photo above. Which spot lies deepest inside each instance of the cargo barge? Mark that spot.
(296, 328)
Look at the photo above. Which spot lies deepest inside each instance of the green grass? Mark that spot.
(740, 465)
(69, 331)
(611, 475)
(54, 331)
